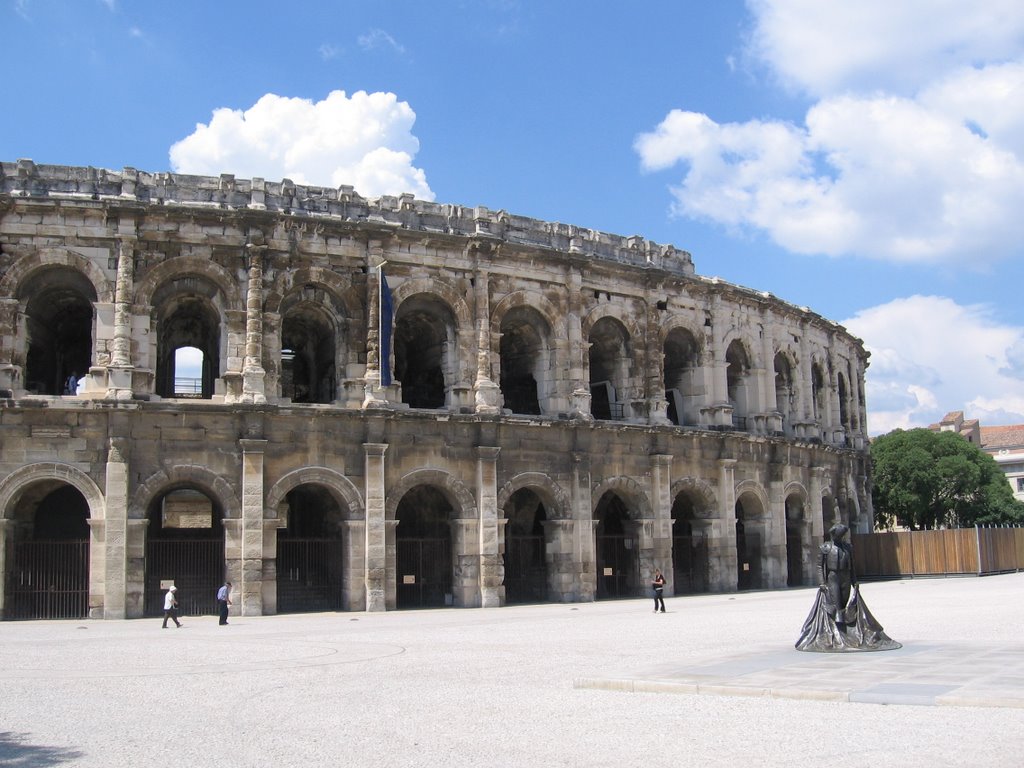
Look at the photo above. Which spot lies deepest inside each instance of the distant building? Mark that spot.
(1005, 444)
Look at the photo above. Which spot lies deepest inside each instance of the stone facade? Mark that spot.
(380, 375)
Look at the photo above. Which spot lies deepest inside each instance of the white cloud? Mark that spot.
(926, 176)
(831, 46)
(364, 140)
(930, 355)
(378, 38)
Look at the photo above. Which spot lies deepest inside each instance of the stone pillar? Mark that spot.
(487, 394)
(119, 370)
(10, 374)
(466, 562)
(354, 583)
(135, 602)
(722, 561)
(775, 564)
(657, 403)
(584, 531)
(661, 520)
(492, 568)
(378, 594)
(559, 550)
(814, 526)
(374, 394)
(250, 580)
(578, 347)
(253, 375)
(115, 566)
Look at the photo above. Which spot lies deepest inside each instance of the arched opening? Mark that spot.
(59, 325)
(739, 383)
(684, 389)
(525, 367)
(818, 394)
(609, 357)
(749, 542)
(794, 541)
(186, 316)
(424, 330)
(184, 547)
(308, 349)
(423, 549)
(526, 572)
(618, 562)
(310, 553)
(785, 394)
(188, 372)
(844, 405)
(49, 550)
(690, 569)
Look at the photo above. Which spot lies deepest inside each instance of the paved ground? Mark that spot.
(713, 682)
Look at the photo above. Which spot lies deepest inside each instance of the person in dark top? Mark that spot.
(658, 583)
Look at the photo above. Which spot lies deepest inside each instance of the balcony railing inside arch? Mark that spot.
(188, 387)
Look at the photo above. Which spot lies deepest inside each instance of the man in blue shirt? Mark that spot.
(223, 601)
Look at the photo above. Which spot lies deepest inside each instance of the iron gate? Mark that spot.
(195, 566)
(794, 560)
(690, 564)
(309, 575)
(618, 568)
(526, 573)
(50, 580)
(424, 572)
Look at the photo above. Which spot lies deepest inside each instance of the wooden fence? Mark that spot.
(959, 551)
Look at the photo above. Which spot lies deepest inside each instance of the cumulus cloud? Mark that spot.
(924, 171)
(365, 141)
(829, 46)
(930, 355)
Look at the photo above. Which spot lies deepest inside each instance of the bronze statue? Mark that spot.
(840, 621)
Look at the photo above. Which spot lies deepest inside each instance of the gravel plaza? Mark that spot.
(714, 681)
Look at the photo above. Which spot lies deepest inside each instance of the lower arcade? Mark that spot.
(350, 512)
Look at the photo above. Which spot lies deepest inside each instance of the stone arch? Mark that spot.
(796, 488)
(458, 495)
(341, 488)
(601, 311)
(440, 289)
(12, 487)
(684, 323)
(532, 299)
(555, 499)
(333, 283)
(753, 488)
(629, 489)
(229, 286)
(45, 258)
(699, 489)
(193, 474)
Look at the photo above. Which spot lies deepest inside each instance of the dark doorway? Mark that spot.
(310, 553)
(618, 564)
(50, 577)
(526, 573)
(184, 546)
(423, 556)
(748, 546)
(421, 346)
(794, 541)
(689, 552)
(59, 321)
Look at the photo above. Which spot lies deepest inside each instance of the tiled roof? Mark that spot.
(1011, 436)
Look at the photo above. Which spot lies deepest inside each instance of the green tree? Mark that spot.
(925, 479)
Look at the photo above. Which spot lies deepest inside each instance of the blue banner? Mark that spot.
(387, 311)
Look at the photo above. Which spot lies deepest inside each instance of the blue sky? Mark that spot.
(863, 159)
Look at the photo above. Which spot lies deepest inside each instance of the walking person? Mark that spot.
(223, 601)
(658, 583)
(171, 607)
